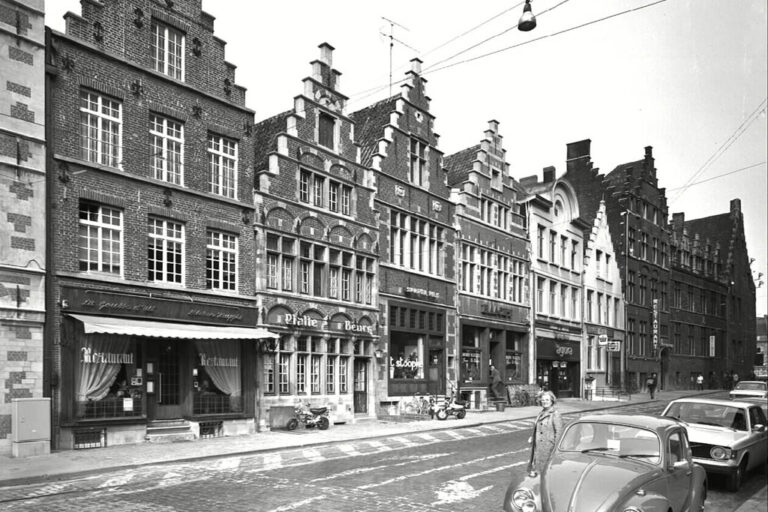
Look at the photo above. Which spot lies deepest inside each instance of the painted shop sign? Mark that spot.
(154, 306)
(355, 327)
(232, 362)
(421, 293)
(91, 357)
(300, 321)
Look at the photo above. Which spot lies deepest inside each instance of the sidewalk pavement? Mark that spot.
(60, 465)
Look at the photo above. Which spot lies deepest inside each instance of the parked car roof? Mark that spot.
(635, 420)
(716, 401)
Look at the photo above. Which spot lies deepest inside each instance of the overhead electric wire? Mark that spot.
(628, 11)
(725, 145)
(719, 176)
(375, 90)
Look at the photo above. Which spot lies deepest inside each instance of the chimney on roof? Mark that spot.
(735, 205)
(678, 221)
(577, 155)
(549, 174)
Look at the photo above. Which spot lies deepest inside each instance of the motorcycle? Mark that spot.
(310, 417)
(452, 406)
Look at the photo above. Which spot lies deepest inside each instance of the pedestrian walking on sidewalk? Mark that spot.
(546, 429)
(700, 382)
(651, 383)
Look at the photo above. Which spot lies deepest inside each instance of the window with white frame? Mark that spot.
(221, 261)
(552, 295)
(364, 280)
(575, 313)
(518, 281)
(416, 244)
(552, 245)
(100, 238)
(330, 368)
(564, 251)
(343, 372)
(165, 251)
(101, 129)
(305, 179)
(167, 158)
(167, 50)
(540, 284)
(418, 163)
(468, 268)
(540, 242)
(281, 262)
(284, 372)
(312, 269)
(222, 166)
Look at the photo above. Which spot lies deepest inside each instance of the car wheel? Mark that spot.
(735, 478)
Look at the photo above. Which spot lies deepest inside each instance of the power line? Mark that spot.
(374, 90)
(628, 11)
(718, 176)
(725, 145)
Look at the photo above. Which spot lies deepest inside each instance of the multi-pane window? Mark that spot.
(222, 166)
(564, 251)
(168, 51)
(281, 261)
(574, 255)
(643, 342)
(165, 251)
(314, 373)
(305, 178)
(312, 272)
(364, 280)
(590, 294)
(318, 189)
(326, 130)
(343, 372)
(100, 129)
(269, 373)
(540, 284)
(631, 286)
(100, 239)
(301, 373)
(552, 295)
(644, 246)
(540, 242)
(575, 303)
(518, 281)
(552, 245)
(416, 244)
(220, 261)
(494, 213)
(283, 373)
(167, 149)
(418, 163)
(468, 268)
(339, 197)
(330, 374)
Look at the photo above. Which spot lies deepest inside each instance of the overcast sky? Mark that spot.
(688, 77)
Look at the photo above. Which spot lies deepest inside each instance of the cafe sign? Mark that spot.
(355, 327)
(300, 321)
(91, 357)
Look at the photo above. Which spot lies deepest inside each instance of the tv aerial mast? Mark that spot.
(392, 40)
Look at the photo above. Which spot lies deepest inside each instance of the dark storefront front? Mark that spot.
(416, 349)
(128, 363)
(558, 366)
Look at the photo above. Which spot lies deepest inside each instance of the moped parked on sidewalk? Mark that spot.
(310, 416)
(451, 407)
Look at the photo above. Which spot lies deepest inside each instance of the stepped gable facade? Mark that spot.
(153, 324)
(317, 243)
(416, 277)
(492, 269)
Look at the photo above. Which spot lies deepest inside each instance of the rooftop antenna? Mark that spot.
(392, 40)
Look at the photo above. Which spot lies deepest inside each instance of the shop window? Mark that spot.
(406, 356)
(107, 382)
(514, 365)
(470, 364)
(217, 377)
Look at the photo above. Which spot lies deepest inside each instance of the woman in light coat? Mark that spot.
(546, 430)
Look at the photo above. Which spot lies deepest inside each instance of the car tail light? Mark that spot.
(720, 453)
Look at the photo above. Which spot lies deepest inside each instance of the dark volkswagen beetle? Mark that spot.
(614, 463)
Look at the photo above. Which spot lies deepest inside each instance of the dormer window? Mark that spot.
(326, 131)
(168, 51)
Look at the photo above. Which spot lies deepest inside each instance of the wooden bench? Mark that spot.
(612, 392)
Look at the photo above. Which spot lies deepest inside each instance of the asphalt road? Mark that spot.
(465, 469)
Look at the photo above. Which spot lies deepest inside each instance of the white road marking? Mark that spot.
(403, 440)
(116, 480)
(453, 434)
(427, 437)
(348, 449)
(441, 468)
(358, 471)
(312, 454)
(272, 461)
(228, 463)
(381, 447)
(454, 491)
(297, 504)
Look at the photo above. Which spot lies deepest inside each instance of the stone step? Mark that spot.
(176, 437)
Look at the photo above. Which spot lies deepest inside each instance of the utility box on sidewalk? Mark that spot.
(31, 426)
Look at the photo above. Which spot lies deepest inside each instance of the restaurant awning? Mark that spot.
(154, 329)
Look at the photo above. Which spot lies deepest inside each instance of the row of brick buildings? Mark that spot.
(168, 264)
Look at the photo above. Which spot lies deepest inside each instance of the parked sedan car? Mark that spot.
(727, 436)
(615, 463)
(749, 389)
